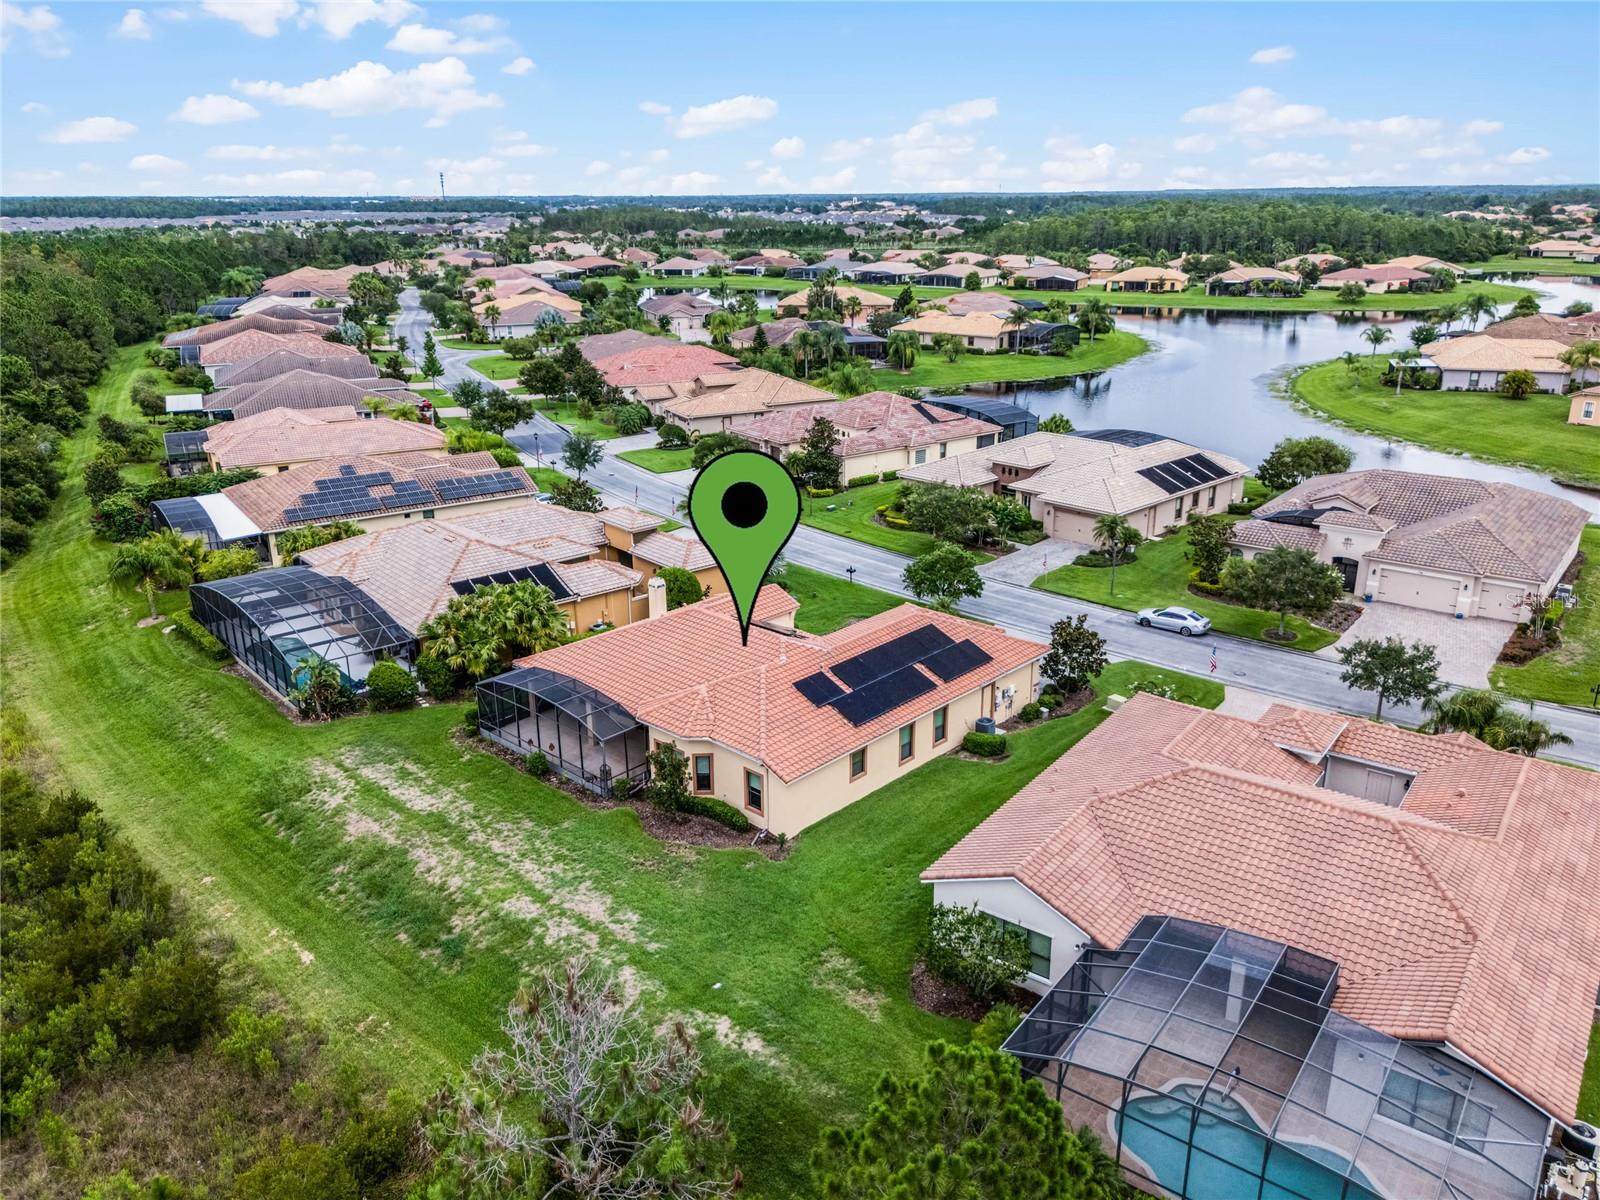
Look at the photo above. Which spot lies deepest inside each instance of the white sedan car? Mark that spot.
(1180, 620)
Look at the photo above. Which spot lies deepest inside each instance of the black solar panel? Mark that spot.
(883, 694)
(956, 660)
(1182, 474)
(881, 660)
(1122, 437)
(818, 688)
(541, 573)
(486, 484)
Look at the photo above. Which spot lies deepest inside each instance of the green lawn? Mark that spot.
(828, 603)
(394, 886)
(1531, 433)
(548, 478)
(496, 366)
(1538, 266)
(1160, 576)
(1589, 1092)
(853, 517)
(458, 343)
(933, 371)
(1566, 674)
(567, 414)
(658, 460)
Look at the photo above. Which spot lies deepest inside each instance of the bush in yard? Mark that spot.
(672, 437)
(1077, 654)
(101, 478)
(682, 587)
(669, 778)
(632, 419)
(1284, 580)
(200, 637)
(890, 476)
(576, 495)
(469, 720)
(712, 444)
(440, 680)
(1518, 385)
(119, 519)
(537, 764)
(969, 947)
(228, 562)
(718, 811)
(996, 1026)
(861, 481)
(390, 687)
(984, 745)
(1209, 546)
(1029, 712)
(322, 694)
(622, 789)
(967, 1124)
(1294, 460)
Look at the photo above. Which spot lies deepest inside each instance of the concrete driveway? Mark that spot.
(1026, 563)
(1467, 649)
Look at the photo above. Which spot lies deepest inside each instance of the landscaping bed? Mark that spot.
(1336, 620)
(943, 998)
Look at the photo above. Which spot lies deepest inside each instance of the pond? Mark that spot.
(1209, 381)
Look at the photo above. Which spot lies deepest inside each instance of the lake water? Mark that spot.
(1208, 381)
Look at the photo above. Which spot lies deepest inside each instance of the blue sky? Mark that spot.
(236, 97)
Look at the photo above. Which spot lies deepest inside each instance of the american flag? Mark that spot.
(1213, 660)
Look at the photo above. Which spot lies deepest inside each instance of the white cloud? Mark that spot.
(838, 181)
(33, 106)
(39, 24)
(444, 89)
(482, 165)
(425, 39)
(38, 176)
(693, 181)
(134, 26)
(212, 109)
(155, 162)
(1399, 129)
(1482, 127)
(91, 129)
(1259, 112)
(1195, 143)
(1072, 164)
(631, 174)
(657, 156)
(521, 65)
(89, 168)
(654, 107)
(241, 152)
(1273, 54)
(598, 167)
(300, 179)
(526, 150)
(846, 148)
(774, 177)
(723, 116)
(1526, 154)
(260, 17)
(789, 147)
(964, 112)
(340, 18)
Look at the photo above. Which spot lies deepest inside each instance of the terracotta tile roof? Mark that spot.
(748, 392)
(266, 500)
(980, 324)
(1252, 274)
(630, 519)
(1104, 262)
(671, 550)
(280, 362)
(304, 389)
(1481, 352)
(685, 672)
(1149, 275)
(679, 263)
(1079, 473)
(867, 424)
(778, 332)
(870, 301)
(1422, 262)
(604, 345)
(217, 330)
(1373, 275)
(1466, 915)
(668, 362)
(679, 304)
(280, 435)
(328, 282)
(1050, 272)
(1439, 521)
(252, 343)
(1569, 331)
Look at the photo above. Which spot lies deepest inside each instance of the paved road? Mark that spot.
(1017, 608)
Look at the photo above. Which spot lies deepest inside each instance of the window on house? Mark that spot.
(1429, 1108)
(1588, 409)
(752, 791)
(1211, 498)
(941, 721)
(908, 741)
(1178, 510)
(944, 449)
(1472, 379)
(428, 512)
(920, 457)
(1038, 947)
(702, 772)
(858, 763)
(624, 558)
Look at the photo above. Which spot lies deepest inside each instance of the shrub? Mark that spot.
(505, 456)
(252, 1041)
(672, 437)
(1243, 508)
(469, 720)
(971, 948)
(119, 519)
(1050, 698)
(200, 637)
(718, 811)
(1099, 558)
(890, 476)
(682, 587)
(1201, 585)
(537, 764)
(631, 418)
(101, 478)
(1029, 712)
(985, 745)
(390, 687)
(621, 789)
(818, 493)
(226, 563)
(861, 481)
(440, 681)
(996, 1026)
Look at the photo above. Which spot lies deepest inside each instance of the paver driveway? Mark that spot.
(1467, 649)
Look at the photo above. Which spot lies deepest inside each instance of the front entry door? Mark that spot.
(1347, 568)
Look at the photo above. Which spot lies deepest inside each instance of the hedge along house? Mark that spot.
(879, 431)
(787, 728)
(374, 493)
(1304, 956)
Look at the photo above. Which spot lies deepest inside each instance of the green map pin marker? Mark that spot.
(745, 507)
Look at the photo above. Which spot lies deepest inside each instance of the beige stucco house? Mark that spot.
(282, 438)
(1478, 362)
(1585, 409)
(1147, 279)
(714, 401)
(878, 431)
(977, 331)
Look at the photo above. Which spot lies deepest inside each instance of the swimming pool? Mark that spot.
(1156, 1130)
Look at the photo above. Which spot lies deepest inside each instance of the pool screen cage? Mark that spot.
(583, 733)
(274, 620)
(1210, 1063)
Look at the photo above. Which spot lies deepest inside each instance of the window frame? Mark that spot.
(941, 724)
(1033, 954)
(759, 791)
(711, 774)
(860, 752)
(907, 745)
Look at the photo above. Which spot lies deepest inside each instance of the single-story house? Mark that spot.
(1569, 331)
(787, 727)
(714, 401)
(878, 431)
(871, 302)
(525, 314)
(1563, 248)
(1323, 262)
(605, 345)
(759, 264)
(327, 318)
(812, 271)
(280, 362)
(304, 286)
(1023, 262)
(1051, 278)
(664, 362)
(1585, 409)
(1068, 480)
(1312, 928)
(300, 389)
(550, 269)
(977, 331)
(947, 231)
(1103, 266)
(595, 264)
(1147, 279)
(886, 272)
(278, 439)
(712, 258)
(639, 257)
(1436, 542)
(956, 275)
(678, 265)
(965, 257)
(685, 314)
(959, 304)
(777, 332)
(253, 343)
(1254, 281)
(1378, 279)
(1424, 262)
(375, 493)
(1478, 362)
(1014, 420)
(201, 335)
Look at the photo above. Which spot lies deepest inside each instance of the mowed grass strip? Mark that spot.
(932, 371)
(658, 460)
(828, 603)
(1567, 673)
(854, 515)
(395, 884)
(1532, 432)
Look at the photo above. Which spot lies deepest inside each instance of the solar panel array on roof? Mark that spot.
(1122, 437)
(956, 660)
(883, 694)
(540, 573)
(881, 660)
(818, 688)
(486, 484)
(1182, 474)
(351, 492)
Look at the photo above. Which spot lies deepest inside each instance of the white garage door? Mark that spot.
(1417, 591)
(1073, 526)
(1502, 603)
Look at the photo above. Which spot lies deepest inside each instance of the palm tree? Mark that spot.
(720, 324)
(528, 617)
(831, 344)
(1483, 714)
(1447, 315)
(463, 637)
(491, 314)
(1113, 534)
(1094, 317)
(1018, 319)
(1351, 361)
(152, 563)
(1478, 305)
(1375, 336)
(1582, 357)
(1519, 734)
(902, 349)
(804, 345)
(851, 307)
(485, 286)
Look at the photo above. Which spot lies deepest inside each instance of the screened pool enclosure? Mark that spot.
(274, 620)
(586, 735)
(1210, 1063)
